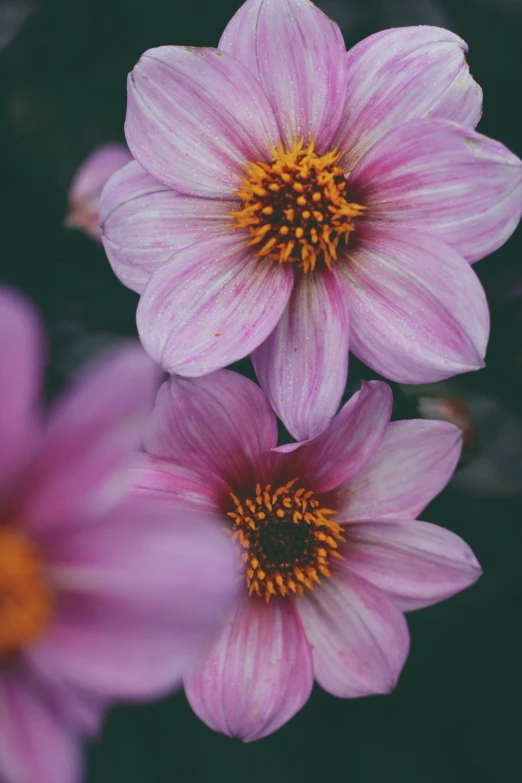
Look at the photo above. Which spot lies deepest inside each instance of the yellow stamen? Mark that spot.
(291, 543)
(277, 204)
(26, 599)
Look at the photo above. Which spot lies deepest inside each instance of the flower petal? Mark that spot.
(418, 312)
(91, 435)
(162, 478)
(416, 564)
(298, 56)
(257, 674)
(346, 445)
(76, 708)
(403, 74)
(35, 746)
(359, 638)
(195, 117)
(302, 366)
(87, 185)
(216, 425)
(211, 305)
(444, 180)
(414, 462)
(145, 223)
(140, 592)
(21, 354)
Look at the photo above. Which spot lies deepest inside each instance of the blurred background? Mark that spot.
(456, 714)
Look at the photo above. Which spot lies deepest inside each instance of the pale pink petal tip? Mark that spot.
(298, 56)
(415, 461)
(256, 675)
(415, 563)
(87, 185)
(403, 74)
(443, 179)
(302, 366)
(418, 312)
(359, 638)
(350, 440)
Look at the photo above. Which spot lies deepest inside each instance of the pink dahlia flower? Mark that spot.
(99, 599)
(292, 200)
(87, 185)
(329, 550)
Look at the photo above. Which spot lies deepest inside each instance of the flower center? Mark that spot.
(288, 540)
(25, 597)
(295, 208)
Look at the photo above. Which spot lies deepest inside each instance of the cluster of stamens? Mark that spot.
(288, 540)
(295, 208)
(25, 596)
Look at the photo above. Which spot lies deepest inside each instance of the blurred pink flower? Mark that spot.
(329, 549)
(293, 200)
(87, 185)
(100, 599)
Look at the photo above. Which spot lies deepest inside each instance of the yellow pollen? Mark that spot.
(279, 200)
(26, 599)
(292, 541)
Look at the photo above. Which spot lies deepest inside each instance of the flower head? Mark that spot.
(329, 552)
(90, 584)
(87, 185)
(293, 200)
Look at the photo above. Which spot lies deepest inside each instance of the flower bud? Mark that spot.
(87, 185)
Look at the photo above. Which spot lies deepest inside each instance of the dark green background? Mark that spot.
(455, 715)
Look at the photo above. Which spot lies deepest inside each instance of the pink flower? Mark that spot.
(87, 185)
(291, 200)
(329, 549)
(100, 599)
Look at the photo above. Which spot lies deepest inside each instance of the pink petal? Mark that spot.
(87, 185)
(444, 180)
(418, 313)
(21, 355)
(35, 746)
(140, 593)
(211, 305)
(76, 708)
(257, 674)
(416, 564)
(195, 117)
(359, 639)
(91, 436)
(298, 56)
(404, 74)
(414, 462)
(346, 445)
(217, 425)
(145, 223)
(162, 478)
(302, 366)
